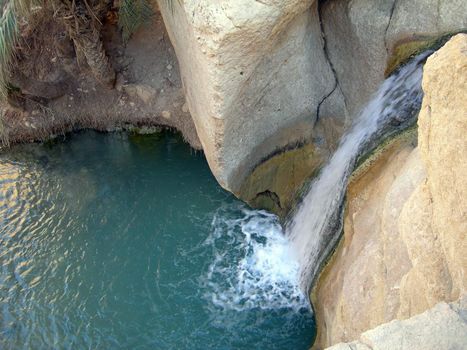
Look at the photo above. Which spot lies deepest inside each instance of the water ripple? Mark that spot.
(117, 249)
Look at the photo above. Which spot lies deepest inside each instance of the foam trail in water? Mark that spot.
(253, 266)
(314, 228)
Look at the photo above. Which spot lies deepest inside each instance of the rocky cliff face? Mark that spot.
(264, 77)
(405, 227)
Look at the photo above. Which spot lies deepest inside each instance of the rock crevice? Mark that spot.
(391, 14)
(328, 59)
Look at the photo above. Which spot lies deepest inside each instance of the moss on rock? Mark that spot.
(405, 137)
(275, 183)
(409, 48)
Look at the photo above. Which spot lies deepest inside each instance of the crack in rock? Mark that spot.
(391, 13)
(331, 65)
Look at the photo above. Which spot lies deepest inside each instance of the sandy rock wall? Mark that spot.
(443, 147)
(404, 245)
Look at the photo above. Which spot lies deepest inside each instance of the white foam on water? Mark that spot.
(258, 265)
(253, 265)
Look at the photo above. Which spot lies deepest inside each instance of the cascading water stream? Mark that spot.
(315, 226)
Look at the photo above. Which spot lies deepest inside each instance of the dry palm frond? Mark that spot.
(82, 22)
(11, 12)
(4, 141)
(132, 14)
(8, 37)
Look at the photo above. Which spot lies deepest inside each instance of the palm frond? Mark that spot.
(8, 38)
(4, 141)
(132, 15)
(23, 7)
(11, 11)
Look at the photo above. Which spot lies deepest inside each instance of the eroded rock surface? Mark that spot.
(404, 246)
(442, 327)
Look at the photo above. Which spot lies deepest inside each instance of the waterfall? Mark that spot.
(316, 224)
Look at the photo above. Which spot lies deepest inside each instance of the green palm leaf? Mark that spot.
(132, 15)
(11, 11)
(8, 37)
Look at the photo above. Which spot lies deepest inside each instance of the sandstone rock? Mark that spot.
(356, 46)
(273, 184)
(414, 18)
(252, 70)
(442, 327)
(443, 146)
(429, 275)
(353, 295)
(406, 215)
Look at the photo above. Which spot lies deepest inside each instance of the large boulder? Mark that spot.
(442, 327)
(254, 74)
(406, 216)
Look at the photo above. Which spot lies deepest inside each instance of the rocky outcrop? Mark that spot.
(253, 71)
(404, 245)
(262, 77)
(442, 327)
(443, 146)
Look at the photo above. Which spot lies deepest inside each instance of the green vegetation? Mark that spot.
(131, 15)
(11, 11)
(406, 50)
